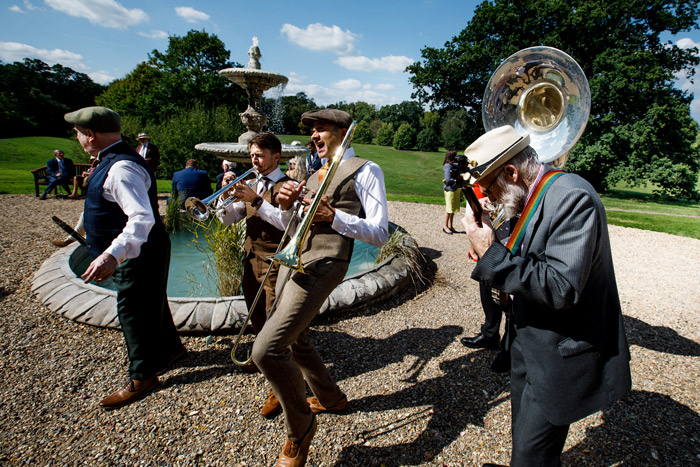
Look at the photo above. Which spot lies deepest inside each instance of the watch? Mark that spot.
(257, 202)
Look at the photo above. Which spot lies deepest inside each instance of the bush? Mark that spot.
(405, 138)
(385, 135)
(362, 133)
(428, 140)
(459, 129)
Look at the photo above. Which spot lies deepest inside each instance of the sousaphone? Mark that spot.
(541, 91)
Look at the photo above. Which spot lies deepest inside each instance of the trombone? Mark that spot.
(291, 255)
(200, 209)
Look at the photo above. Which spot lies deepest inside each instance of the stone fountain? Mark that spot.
(255, 82)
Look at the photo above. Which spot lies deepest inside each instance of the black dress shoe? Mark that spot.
(480, 342)
(501, 364)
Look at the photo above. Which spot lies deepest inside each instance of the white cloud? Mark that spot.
(320, 38)
(16, 9)
(325, 96)
(385, 87)
(391, 63)
(101, 77)
(16, 52)
(347, 84)
(686, 43)
(154, 34)
(107, 13)
(190, 14)
(27, 4)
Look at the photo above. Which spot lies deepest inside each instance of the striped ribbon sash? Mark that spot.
(516, 236)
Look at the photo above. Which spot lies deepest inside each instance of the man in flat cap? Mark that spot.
(126, 237)
(354, 207)
(569, 353)
(148, 151)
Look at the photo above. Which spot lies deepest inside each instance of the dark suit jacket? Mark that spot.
(191, 182)
(567, 311)
(52, 168)
(152, 155)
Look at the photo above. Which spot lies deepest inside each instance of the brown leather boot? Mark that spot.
(339, 407)
(272, 406)
(293, 454)
(133, 391)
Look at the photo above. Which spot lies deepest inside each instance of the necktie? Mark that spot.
(262, 185)
(322, 171)
(143, 150)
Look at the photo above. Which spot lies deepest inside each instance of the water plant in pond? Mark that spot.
(401, 245)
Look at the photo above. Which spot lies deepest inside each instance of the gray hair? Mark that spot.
(528, 166)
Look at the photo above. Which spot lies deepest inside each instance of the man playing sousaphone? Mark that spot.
(355, 208)
(569, 353)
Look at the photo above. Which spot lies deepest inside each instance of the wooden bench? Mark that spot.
(40, 176)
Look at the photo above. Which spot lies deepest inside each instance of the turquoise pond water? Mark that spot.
(188, 275)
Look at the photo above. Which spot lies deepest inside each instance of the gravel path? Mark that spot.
(417, 396)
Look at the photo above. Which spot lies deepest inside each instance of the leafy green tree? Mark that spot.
(630, 71)
(362, 133)
(405, 138)
(385, 135)
(406, 112)
(459, 128)
(428, 140)
(35, 96)
(290, 110)
(135, 95)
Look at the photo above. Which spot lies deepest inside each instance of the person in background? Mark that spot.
(313, 161)
(190, 182)
(566, 336)
(80, 181)
(296, 169)
(148, 151)
(453, 193)
(128, 242)
(226, 166)
(59, 171)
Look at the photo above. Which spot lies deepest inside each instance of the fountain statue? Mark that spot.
(255, 82)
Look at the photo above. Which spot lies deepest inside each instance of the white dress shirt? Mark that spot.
(369, 185)
(127, 185)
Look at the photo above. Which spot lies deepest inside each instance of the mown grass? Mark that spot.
(411, 176)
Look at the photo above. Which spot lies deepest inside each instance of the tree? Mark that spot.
(290, 110)
(428, 140)
(406, 112)
(630, 70)
(362, 133)
(135, 95)
(459, 128)
(34, 97)
(385, 135)
(405, 138)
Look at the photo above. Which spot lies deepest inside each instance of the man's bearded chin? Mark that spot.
(513, 199)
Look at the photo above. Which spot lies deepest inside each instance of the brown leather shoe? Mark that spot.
(293, 454)
(339, 407)
(131, 392)
(62, 243)
(272, 406)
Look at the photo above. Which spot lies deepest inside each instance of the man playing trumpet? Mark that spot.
(569, 353)
(355, 208)
(264, 232)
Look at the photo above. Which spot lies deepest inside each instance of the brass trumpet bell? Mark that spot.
(544, 92)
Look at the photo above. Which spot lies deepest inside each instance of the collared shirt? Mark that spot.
(236, 211)
(144, 148)
(127, 185)
(369, 185)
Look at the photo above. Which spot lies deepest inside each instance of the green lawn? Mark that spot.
(409, 176)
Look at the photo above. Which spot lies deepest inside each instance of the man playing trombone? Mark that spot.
(355, 208)
(264, 232)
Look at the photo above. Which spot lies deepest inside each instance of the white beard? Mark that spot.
(513, 199)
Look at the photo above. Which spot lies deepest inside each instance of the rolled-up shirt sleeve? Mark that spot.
(374, 227)
(127, 185)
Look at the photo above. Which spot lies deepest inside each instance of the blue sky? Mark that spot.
(331, 50)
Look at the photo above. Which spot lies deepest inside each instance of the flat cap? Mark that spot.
(337, 117)
(97, 119)
(493, 149)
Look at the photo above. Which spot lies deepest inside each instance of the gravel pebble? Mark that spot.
(417, 396)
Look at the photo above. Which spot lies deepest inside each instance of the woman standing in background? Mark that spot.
(453, 195)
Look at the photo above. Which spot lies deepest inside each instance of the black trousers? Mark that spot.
(492, 313)
(143, 310)
(536, 442)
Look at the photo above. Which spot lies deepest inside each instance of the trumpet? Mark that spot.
(200, 209)
(291, 255)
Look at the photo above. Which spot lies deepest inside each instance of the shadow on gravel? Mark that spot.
(200, 366)
(659, 338)
(466, 392)
(645, 428)
(409, 292)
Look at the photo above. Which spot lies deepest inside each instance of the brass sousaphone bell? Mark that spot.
(541, 91)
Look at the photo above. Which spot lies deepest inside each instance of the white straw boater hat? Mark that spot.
(493, 148)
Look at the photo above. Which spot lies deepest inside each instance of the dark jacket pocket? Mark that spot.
(570, 347)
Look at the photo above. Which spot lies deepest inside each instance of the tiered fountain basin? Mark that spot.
(58, 286)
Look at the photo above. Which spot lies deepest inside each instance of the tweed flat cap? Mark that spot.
(493, 149)
(337, 117)
(97, 119)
